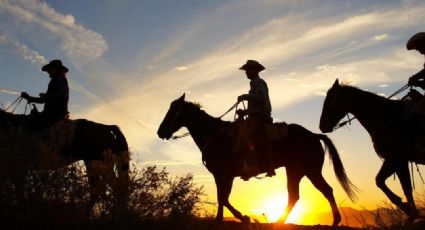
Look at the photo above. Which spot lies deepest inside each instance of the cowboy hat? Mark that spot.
(252, 64)
(417, 40)
(56, 64)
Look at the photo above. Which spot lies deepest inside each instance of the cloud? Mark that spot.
(38, 21)
(303, 57)
(10, 92)
(380, 37)
(181, 68)
(28, 54)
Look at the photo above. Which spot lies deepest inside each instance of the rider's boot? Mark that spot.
(270, 163)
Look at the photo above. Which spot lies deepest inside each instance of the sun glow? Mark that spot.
(273, 209)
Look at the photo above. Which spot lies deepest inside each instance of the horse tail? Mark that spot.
(339, 170)
(122, 147)
(123, 167)
(121, 140)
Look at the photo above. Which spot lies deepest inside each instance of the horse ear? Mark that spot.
(336, 83)
(182, 97)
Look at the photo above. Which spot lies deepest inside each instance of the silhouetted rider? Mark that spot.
(259, 106)
(55, 99)
(417, 42)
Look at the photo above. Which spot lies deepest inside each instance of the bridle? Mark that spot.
(174, 119)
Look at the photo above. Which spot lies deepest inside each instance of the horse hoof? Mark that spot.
(218, 219)
(411, 212)
(336, 222)
(405, 208)
(246, 220)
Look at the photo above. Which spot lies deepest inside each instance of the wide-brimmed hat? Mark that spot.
(56, 64)
(417, 40)
(252, 64)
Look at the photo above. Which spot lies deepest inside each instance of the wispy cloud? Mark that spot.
(380, 37)
(303, 57)
(37, 20)
(181, 68)
(8, 91)
(28, 54)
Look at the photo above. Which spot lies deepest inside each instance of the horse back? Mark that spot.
(93, 139)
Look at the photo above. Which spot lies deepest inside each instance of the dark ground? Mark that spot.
(192, 224)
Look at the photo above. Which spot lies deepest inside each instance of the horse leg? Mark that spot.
(123, 180)
(224, 187)
(94, 184)
(386, 171)
(320, 183)
(294, 178)
(404, 176)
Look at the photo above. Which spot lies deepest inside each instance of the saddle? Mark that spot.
(61, 134)
(414, 129)
(276, 132)
(240, 131)
(250, 145)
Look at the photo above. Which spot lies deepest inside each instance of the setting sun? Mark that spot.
(273, 208)
(212, 114)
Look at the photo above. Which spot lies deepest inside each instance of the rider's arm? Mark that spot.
(38, 100)
(244, 97)
(32, 99)
(417, 79)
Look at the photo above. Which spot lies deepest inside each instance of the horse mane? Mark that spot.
(197, 104)
(194, 105)
(197, 107)
(374, 100)
(367, 94)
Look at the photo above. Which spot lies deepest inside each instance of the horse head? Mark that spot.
(333, 108)
(3, 118)
(173, 120)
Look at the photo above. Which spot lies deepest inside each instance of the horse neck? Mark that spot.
(14, 119)
(201, 125)
(370, 109)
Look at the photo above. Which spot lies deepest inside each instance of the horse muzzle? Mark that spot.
(163, 135)
(325, 128)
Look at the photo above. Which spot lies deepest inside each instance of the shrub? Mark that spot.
(61, 197)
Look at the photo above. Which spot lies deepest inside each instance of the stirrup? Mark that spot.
(271, 173)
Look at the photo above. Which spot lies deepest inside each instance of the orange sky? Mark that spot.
(131, 58)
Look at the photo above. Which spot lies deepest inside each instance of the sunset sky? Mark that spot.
(129, 59)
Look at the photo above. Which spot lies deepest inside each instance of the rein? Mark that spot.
(174, 137)
(349, 119)
(230, 109)
(14, 104)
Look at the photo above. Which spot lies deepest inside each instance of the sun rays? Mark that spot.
(273, 209)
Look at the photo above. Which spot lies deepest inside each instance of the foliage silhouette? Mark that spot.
(61, 197)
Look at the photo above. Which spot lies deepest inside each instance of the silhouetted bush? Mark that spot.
(156, 195)
(387, 216)
(61, 197)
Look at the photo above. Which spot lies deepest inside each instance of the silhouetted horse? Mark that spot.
(103, 148)
(383, 120)
(301, 153)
